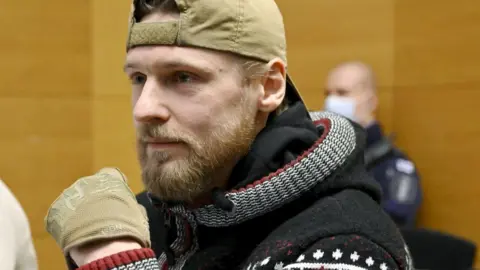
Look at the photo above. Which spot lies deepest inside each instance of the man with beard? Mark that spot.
(238, 175)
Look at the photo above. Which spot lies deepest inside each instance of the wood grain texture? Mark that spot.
(109, 39)
(44, 48)
(45, 107)
(324, 33)
(436, 42)
(441, 135)
(114, 135)
(435, 115)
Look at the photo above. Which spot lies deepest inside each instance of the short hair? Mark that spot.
(143, 8)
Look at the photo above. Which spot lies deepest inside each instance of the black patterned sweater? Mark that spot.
(301, 199)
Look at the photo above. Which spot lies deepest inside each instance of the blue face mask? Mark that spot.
(341, 105)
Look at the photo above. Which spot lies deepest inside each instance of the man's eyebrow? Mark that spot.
(173, 64)
(128, 66)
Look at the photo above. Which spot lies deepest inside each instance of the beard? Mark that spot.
(189, 177)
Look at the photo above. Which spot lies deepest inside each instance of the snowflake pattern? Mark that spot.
(337, 254)
(354, 257)
(338, 257)
(318, 254)
(319, 259)
(278, 266)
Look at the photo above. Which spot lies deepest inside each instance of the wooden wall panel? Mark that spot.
(436, 42)
(44, 43)
(44, 107)
(109, 37)
(114, 137)
(437, 88)
(323, 33)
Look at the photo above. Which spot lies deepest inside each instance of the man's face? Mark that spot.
(343, 84)
(347, 94)
(193, 116)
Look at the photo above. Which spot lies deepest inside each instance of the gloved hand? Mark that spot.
(97, 208)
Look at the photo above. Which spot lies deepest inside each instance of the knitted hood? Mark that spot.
(292, 157)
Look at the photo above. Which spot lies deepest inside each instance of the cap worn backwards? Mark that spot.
(249, 28)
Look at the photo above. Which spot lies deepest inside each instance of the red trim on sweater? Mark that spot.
(119, 259)
(327, 126)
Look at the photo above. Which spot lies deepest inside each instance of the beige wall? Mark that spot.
(323, 33)
(113, 136)
(436, 94)
(65, 104)
(45, 106)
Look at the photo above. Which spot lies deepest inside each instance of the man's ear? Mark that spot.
(373, 103)
(274, 85)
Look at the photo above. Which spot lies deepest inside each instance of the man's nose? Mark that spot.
(150, 105)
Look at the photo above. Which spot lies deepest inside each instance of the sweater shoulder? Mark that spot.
(340, 252)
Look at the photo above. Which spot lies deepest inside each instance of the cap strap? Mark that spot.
(160, 33)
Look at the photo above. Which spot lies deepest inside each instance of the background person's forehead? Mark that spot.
(342, 83)
(347, 78)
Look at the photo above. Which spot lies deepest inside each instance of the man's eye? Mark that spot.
(183, 77)
(138, 79)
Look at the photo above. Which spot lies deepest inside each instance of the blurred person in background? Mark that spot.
(351, 92)
(16, 246)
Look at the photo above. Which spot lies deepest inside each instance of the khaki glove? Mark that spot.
(96, 208)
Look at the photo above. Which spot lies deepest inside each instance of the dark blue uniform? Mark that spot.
(400, 182)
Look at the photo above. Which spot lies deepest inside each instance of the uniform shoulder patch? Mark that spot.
(405, 166)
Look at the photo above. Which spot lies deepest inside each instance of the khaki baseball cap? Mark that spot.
(250, 28)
